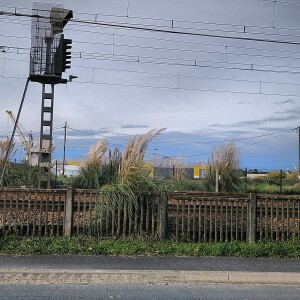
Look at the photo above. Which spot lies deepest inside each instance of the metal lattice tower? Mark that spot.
(49, 58)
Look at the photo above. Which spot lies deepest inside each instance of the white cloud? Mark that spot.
(148, 80)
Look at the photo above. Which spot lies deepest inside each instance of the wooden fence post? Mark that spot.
(252, 222)
(68, 220)
(163, 203)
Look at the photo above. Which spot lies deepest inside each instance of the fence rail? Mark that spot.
(193, 217)
(32, 212)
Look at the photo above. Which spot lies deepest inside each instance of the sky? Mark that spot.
(209, 71)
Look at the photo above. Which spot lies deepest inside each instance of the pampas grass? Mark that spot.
(4, 144)
(226, 159)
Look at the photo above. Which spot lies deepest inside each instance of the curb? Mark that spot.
(56, 276)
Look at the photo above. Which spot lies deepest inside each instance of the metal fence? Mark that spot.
(32, 212)
(208, 217)
(94, 215)
(278, 217)
(193, 217)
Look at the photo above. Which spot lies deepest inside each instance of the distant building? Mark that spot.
(254, 175)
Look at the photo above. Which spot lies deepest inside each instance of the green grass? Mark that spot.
(265, 188)
(88, 246)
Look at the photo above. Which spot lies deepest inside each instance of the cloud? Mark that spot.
(134, 126)
(290, 101)
(100, 105)
(244, 103)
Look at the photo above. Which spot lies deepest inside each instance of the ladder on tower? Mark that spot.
(46, 136)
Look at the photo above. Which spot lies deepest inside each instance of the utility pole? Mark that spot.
(13, 133)
(65, 140)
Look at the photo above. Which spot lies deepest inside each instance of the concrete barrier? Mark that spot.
(56, 276)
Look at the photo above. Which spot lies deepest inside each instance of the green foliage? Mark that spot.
(229, 181)
(274, 177)
(271, 184)
(132, 179)
(126, 193)
(182, 185)
(88, 178)
(96, 173)
(89, 246)
(21, 175)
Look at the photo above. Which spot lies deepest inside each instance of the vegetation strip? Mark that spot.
(89, 246)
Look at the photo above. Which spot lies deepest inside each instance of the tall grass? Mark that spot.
(133, 178)
(89, 176)
(226, 160)
(130, 181)
(4, 151)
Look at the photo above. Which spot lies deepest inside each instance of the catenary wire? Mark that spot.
(172, 21)
(178, 75)
(180, 41)
(161, 30)
(172, 88)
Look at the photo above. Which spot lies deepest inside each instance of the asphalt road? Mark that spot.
(70, 262)
(151, 292)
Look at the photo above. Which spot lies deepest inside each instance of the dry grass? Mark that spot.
(134, 154)
(226, 161)
(4, 144)
(96, 153)
(179, 168)
(228, 156)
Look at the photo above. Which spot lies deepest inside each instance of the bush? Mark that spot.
(21, 175)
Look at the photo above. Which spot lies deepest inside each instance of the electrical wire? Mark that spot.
(244, 146)
(182, 76)
(210, 90)
(185, 42)
(272, 135)
(263, 141)
(247, 67)
(172, 21)
(228, 53)
(190, 50)
(156, 29)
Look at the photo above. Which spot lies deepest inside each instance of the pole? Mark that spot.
(280, 181)
(217, 179)
(13, 132)
(246, 172)
(65, 139)
(56, 174)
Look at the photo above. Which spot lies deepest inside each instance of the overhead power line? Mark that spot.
(266, 68)
(227, 52)
(174, 88)
(171, 22)
(157, 30)
(271, 135)
(268, 137)
(177, 75)
(285, 51)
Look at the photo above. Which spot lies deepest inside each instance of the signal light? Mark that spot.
(62, 56)
(66, 45)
